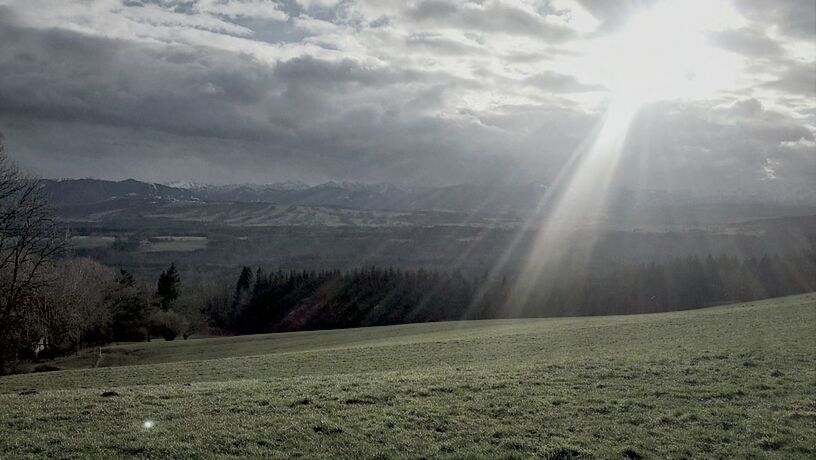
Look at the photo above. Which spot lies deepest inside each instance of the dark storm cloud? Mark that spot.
(443, 45)
(308, 70)
(796, 78)
(426, 92)
(490, 17)
(198, 92)
(749, 42)
(725, 151)
(305, 116)
(795, 18)
(613, 15)
(560, 83)
(73, 77)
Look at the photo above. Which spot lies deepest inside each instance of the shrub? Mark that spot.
(46, 368)
(167, 324)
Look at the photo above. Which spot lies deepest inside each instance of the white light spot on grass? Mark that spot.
(148, 424)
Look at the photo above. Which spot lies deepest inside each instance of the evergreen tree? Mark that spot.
(302, 300)
(129, 310)
(242, 288)
(167, 289)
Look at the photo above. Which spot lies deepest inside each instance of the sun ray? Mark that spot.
(577, 203)
(662, 54)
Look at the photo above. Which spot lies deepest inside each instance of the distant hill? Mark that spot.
(346, 194)
(626, 208)
(69, 192)
(341, 225)
(517, 199)
(355, 195)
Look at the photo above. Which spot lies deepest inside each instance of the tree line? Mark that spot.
(52, 304)
(300, 300)
(81, 303)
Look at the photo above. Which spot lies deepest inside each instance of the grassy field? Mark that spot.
(90, 242)
(732, 381)
(154, 244)
(175, 244)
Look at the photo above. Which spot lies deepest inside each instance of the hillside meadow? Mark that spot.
(730, 381)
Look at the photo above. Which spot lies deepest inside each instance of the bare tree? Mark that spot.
(29, 237)
(75, 309)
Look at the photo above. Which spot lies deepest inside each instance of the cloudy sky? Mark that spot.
(422, 92)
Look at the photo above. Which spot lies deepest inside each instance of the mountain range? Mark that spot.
(353, 195)
(78, 198)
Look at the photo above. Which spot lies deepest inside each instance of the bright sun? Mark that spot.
(662, 53)
(665, 53)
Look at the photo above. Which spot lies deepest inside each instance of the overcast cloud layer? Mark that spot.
(421, 92)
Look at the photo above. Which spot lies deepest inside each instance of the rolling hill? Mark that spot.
(731, 381)
(90, 200)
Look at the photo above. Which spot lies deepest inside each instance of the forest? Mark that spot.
(290, 301)
(88, 304)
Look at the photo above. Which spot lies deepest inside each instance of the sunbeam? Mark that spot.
(578, 202)
(661, 54)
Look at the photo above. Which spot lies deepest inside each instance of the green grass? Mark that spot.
(155, 244)
(175, 244)
(90, 242)
(733, 381)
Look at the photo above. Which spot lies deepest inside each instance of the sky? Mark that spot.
(425, 92)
